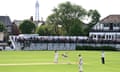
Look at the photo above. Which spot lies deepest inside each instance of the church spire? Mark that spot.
(37, 11)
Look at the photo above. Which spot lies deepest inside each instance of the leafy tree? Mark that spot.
(58, 30)
(44, 30)
(71, 17)
(76, 29)
(95, 16)
(41, 30)
(2, 27)
(27, 27)
(66, 15)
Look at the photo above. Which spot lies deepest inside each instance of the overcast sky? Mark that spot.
(23, 9)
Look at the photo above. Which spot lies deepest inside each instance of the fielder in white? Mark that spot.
(103, 57)
(56, 57)
(80, 63)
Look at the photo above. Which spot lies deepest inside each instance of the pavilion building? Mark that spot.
(106, 29)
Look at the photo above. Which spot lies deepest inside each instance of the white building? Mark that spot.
(107, 29)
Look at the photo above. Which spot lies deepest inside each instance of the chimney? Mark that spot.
(31, 18)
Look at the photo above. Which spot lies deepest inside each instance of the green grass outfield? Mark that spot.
(42, 61)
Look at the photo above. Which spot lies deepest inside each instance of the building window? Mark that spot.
(106, 25)
(118, 36)
(115, 25)
(107, 37)
(103, 36)
(111, 26)
(118, 25)
(94, 36)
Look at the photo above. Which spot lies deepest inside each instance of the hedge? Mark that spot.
(107, 48)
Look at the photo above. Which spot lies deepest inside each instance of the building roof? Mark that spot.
(5, 20)
(111, 19)
(7, 23)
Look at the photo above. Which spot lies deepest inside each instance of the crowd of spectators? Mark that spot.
(59, 39)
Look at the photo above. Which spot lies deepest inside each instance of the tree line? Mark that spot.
(66, 19)
(69, 19)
